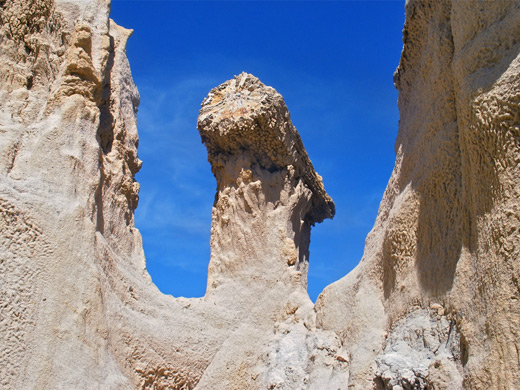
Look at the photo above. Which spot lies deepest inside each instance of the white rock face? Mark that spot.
(77, 307)
(268, 197)
(434, 303)
(447, 229)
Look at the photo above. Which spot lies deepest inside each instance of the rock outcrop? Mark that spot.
(434, 303)
(78, 309)
(445, 243)
(268, 194)
(268, 197)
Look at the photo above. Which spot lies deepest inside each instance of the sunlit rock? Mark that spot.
(434, 303)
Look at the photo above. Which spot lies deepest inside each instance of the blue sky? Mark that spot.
(333, 63)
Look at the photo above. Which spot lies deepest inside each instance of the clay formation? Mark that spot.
(433, 304)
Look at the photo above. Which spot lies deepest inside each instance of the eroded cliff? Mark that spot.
(434, 303)
(445, 243)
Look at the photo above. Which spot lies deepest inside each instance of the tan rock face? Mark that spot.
(445, 233)
(433, 304)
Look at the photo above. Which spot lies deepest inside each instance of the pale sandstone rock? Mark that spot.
(447, 229)
(268, 197)
(77, 307)
(268, 194)
(433, 304)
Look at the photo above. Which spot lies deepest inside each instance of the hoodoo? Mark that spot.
(268, 194)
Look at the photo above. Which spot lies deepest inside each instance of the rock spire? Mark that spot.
(268, 193)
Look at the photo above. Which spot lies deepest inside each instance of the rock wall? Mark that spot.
(77, 307)
(434, 303)
(446, 236)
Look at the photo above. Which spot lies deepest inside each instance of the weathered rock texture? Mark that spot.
(78, 309)
(268, 194)
(446, 238)
(434, 303)
(268, 197)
